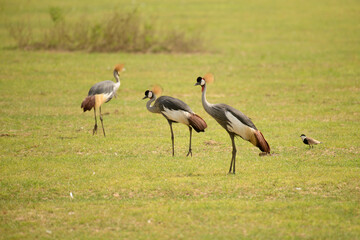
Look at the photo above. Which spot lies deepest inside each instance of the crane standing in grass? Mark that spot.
(235, 122)
(102, 92)
(174, 110)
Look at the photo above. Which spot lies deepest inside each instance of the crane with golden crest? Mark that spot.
(100, 93)
(233, 121)
(175, 111)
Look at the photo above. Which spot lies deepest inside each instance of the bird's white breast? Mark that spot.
(177, 115)
(117, 85)
(236, 126)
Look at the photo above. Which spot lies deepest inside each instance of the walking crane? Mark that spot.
(102, 92)
(175, 111)
(233, 121)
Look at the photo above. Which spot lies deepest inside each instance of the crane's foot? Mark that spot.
(95, 129)
(189, 153)
(231, 172)
(262, 154)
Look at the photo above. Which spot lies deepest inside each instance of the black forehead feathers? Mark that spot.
(146, 92)
(199, 79)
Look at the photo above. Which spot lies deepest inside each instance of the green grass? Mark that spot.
(293, 67)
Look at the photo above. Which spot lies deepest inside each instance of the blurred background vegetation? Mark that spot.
(117, 32)
(292, 66)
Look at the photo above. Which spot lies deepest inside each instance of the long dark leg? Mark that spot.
(102, 124)
(95, 127)
(190, 152)
(172, 137)
(233, 158)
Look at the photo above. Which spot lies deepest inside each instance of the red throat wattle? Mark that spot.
(202, 88)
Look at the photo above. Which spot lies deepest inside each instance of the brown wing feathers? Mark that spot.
(261, 143)
(312, 141)
(88, 103)
(197, 123)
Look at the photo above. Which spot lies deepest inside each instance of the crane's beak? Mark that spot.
(197, 83)
(145, 97)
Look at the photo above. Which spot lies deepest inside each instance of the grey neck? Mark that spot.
(116, 76)
(205, 103)
(153, 108)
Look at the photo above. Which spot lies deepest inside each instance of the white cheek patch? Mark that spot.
(177, 115)
(150, 94)
(202, 82)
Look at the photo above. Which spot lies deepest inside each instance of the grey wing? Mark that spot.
(236, 113)
(217, 111)
(173, 104)
(102, 87)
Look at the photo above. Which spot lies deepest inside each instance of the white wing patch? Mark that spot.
(107, 95)
(238, 127)
(177, 115)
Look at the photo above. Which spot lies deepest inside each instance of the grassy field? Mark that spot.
(292, 66)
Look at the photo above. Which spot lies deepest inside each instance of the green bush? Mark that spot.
(56, 15)
(121, 32)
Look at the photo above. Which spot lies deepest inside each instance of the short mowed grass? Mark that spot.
(293, 67)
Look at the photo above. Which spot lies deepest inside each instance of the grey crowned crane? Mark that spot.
(102, 92)
(309, 141)
(235, 122)
(175, 111)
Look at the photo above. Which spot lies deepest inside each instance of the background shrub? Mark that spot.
(120, 32)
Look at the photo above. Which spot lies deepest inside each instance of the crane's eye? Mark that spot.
(199, 79)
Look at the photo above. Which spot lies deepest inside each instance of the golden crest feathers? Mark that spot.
(209, 78)
(119, 67)
(157, 90)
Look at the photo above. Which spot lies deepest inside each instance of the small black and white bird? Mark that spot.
(102, 92)
(175, 111)
(233, 121)
(309, 141)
